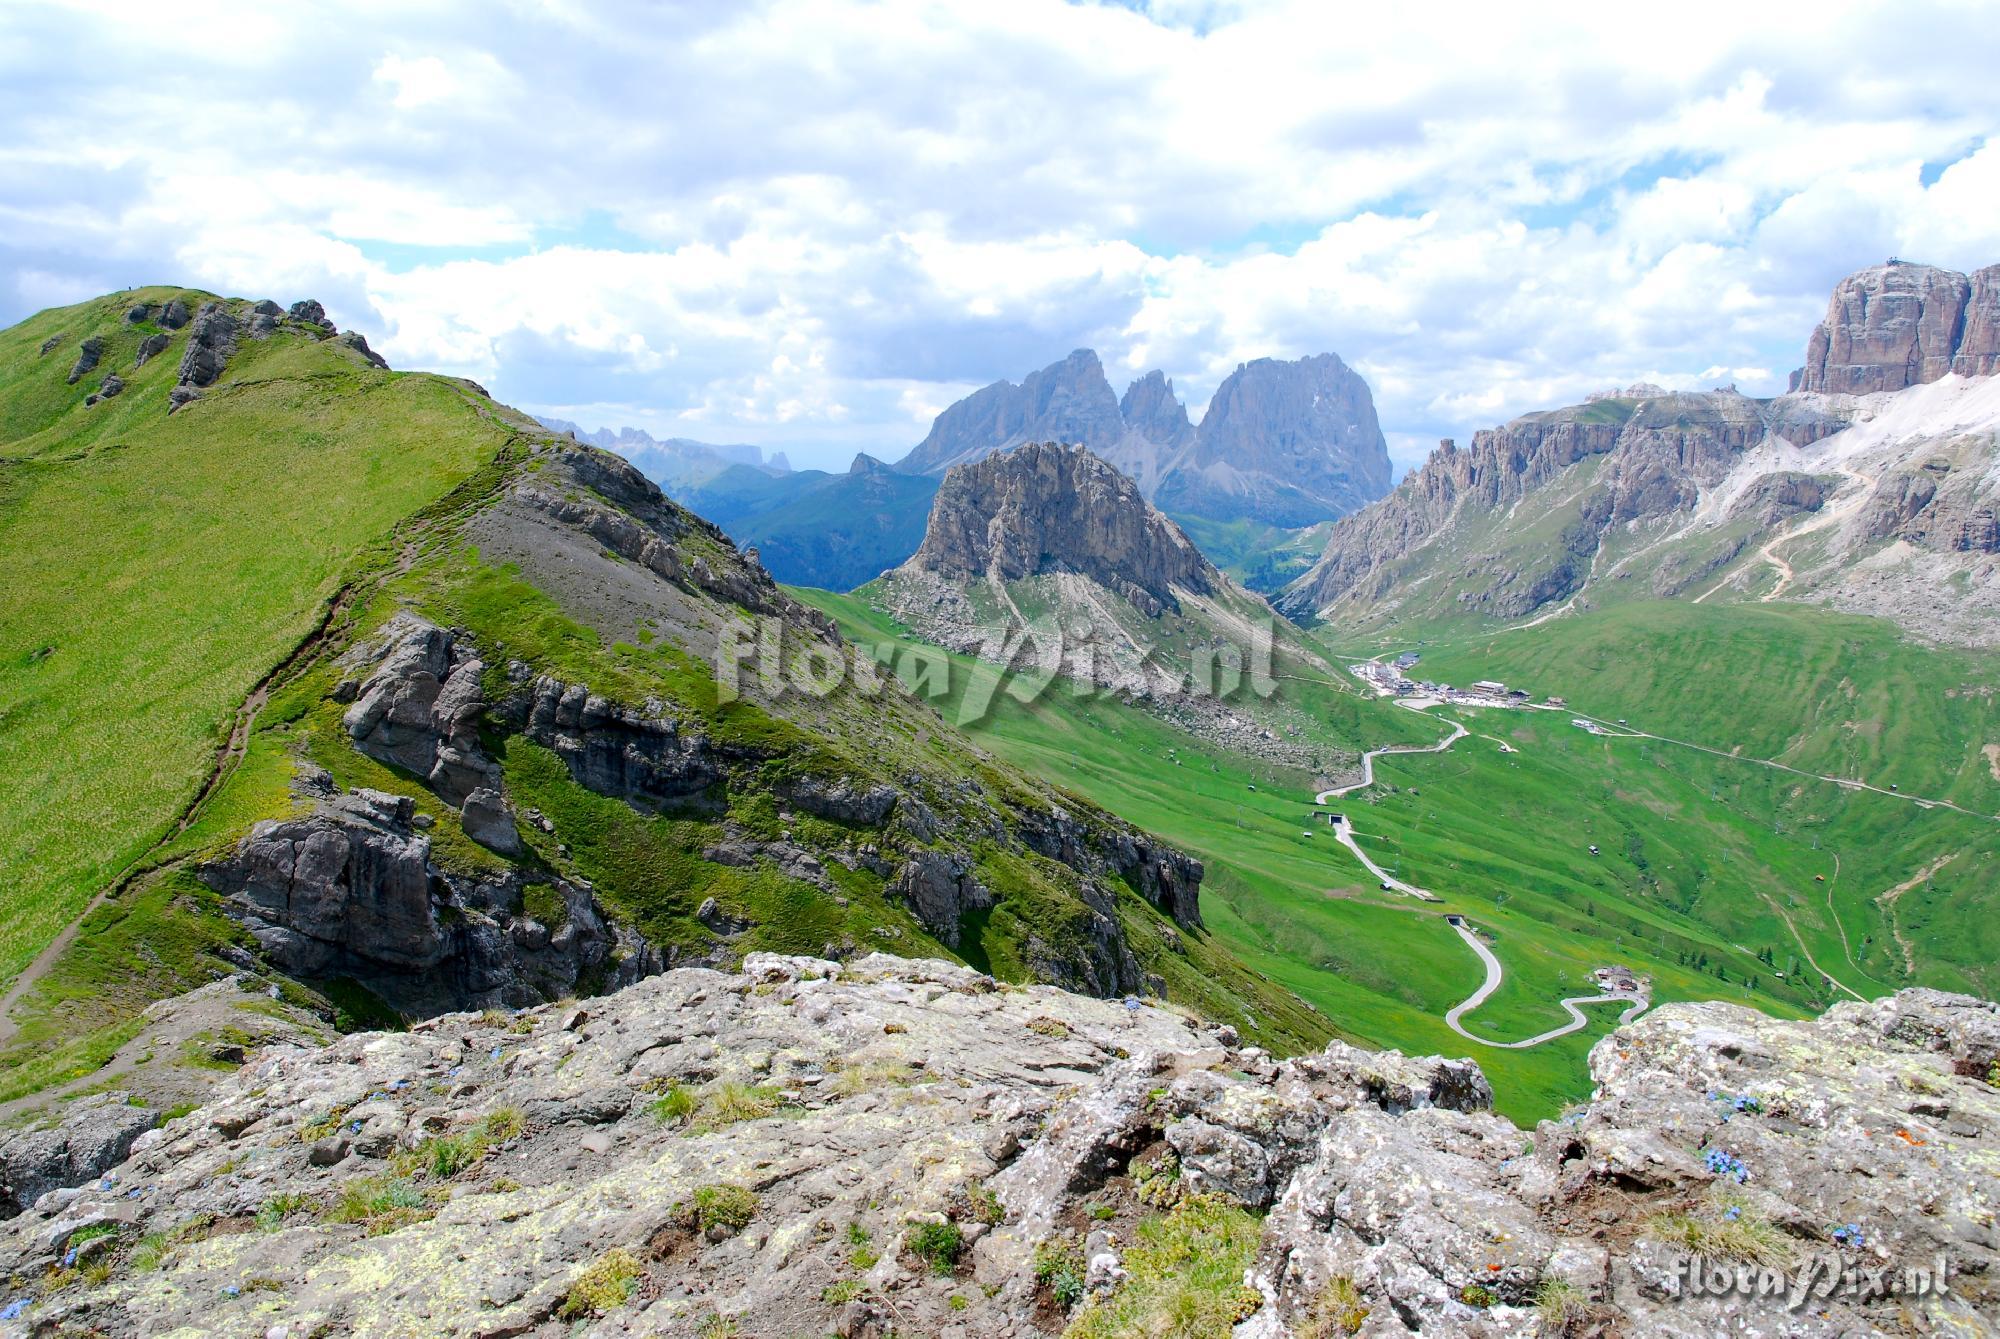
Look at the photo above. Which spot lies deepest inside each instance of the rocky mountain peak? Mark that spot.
(1291, 443)
(1051, 507)
(1151, 409)
(1069, 401)
(1899, 324)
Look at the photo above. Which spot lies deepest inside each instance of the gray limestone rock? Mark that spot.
(87, 355)
(1385, 1172)
(488, 821)
(93, 1135)
(358, 342)
(211, 339)
(151, 347)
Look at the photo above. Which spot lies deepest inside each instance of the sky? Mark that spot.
(813, 225)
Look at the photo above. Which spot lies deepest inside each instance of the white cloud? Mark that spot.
(812, 224)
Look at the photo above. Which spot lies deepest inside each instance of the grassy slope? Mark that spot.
(158, 566)
(1826, 693)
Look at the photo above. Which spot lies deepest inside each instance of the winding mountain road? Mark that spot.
(1636, 1004)
(1344, 833)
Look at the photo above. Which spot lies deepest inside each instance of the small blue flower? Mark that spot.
(231, 1290)
(496, 1052)
(69, 1257)
(355, 1126)
(1726, 1164)
(1734, 1212)
(15, 1309)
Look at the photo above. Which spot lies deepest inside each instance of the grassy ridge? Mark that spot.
(159, 565)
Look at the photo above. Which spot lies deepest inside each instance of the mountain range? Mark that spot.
(1285, 443)
(1871, 486)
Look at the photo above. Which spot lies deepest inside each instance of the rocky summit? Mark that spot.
(1899, 325)
(890, 1146)
(1049, 507)
(1289, 443)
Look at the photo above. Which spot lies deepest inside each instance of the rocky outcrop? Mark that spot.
(939, 889)
(1048, 507)
(1780, 495)
(211, 340)
(1069, 401)
(358, 342)
(1898, 325)
(173, 314)
(93, 1135)
(151, 347)
(350, 889)
(419, 706)
(640, 755)
(87, 355)
(308, 312)
(1287, 443)
(843, 800)
(1165, 877)
(1043, 1128)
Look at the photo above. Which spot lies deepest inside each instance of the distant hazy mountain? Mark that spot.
(674, 460)
(1873, 488)
(1283, 443)
(812, 528)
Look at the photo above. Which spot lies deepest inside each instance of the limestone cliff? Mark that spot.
(1899, 325)
(1288, 443)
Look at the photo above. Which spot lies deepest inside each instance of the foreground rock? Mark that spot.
(808, 1147)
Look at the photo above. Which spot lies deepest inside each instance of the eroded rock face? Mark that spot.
(1898, 325)
(1781, 494)
(1048, 507)
(640, 755)
(93, 1135)
(211, 339)
(918, 1091)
